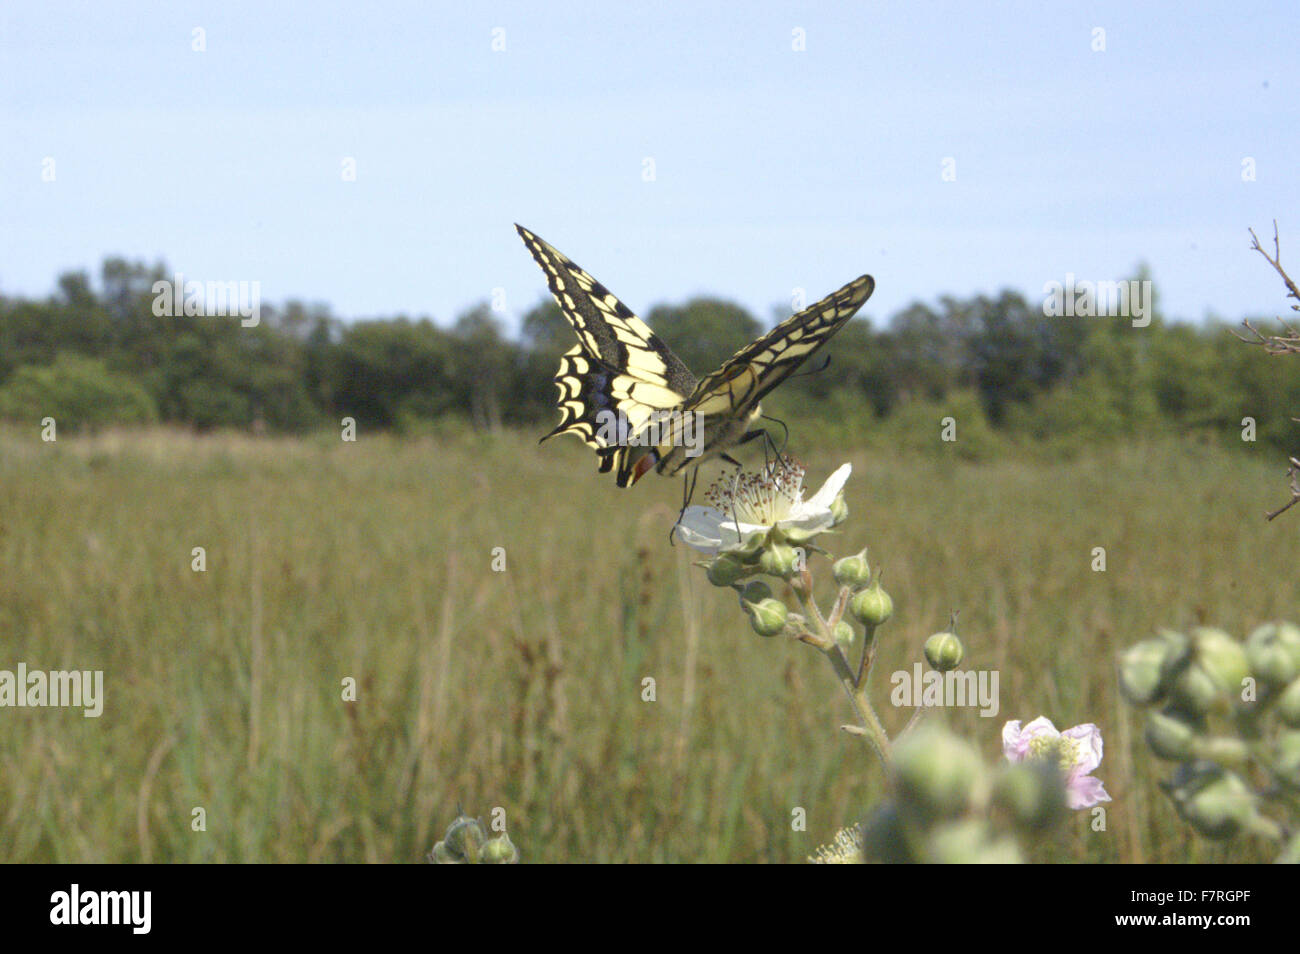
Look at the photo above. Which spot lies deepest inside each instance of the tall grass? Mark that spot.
(523, 689)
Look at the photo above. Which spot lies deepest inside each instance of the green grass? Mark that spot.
(523, 689)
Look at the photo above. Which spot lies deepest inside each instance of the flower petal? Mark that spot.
(826, 494)
(701, 528)
(1087, 740)
(1085, 791)
(1011, 745)
(1041, 726)
(808, 523)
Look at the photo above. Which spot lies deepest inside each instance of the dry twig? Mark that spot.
(1288, 343)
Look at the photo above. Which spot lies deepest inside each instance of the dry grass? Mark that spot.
(523, 689)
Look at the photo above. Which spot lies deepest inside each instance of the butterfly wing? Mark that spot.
(618, 368)
(736, 388)
(725, 405)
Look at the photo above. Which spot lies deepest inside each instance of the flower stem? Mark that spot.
(854, 684)
(871, 728)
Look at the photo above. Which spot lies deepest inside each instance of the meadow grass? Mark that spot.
(523, 689)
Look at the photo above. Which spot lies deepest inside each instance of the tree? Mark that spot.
(79, 393)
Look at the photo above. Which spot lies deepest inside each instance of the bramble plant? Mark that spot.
(1228, 714)
(465, 843)
(945, 804)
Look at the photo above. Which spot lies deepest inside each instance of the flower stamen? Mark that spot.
(762, 497)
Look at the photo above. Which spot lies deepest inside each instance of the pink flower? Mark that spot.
(1077, 750)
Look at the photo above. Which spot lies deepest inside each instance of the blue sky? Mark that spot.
(773, 168)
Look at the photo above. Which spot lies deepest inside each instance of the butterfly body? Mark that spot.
(627, 396)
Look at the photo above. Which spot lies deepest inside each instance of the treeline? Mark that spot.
(92, 355)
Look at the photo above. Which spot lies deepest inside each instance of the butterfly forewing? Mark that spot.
(617, 375)
(756, 369)
(606, 328)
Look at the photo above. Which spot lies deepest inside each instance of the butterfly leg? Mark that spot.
(688, 491)
(785, 441)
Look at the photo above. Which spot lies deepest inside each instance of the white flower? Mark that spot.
(745, 504)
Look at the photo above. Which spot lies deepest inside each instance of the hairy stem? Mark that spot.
(869, 724)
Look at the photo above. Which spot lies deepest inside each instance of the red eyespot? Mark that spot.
(644, 464)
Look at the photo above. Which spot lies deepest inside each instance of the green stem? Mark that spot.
(869, 723)
(871, 729)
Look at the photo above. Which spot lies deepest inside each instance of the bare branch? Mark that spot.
(1293, 472)
(1276, 261)
(1288, 343)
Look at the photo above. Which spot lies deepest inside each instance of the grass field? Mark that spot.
(523, 689)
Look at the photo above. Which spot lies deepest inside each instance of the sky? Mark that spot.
(743, 150)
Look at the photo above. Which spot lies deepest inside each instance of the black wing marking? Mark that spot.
(753, 371)
(619, 366)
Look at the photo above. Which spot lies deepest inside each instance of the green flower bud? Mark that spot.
(872, 605)
(1286, 759)
(1195, 692)
(1288, 705)
(1222, 658)
(441, 855)
(1284, 634)
(886, 839)
(972, 842)
(852, 571)
(779, 560)
(465, 838)
(1289, 635)
(1213, 800)
(1291, 853)
(755, 591)
(1033, 792)
(1271, 658)
(1146, 668)
(839, 510)
(725, 569)
(1170, 736)
(944, 651)
(936, 773)
(500, 851)
(843, 633)
(1225, 750)
(767, 617)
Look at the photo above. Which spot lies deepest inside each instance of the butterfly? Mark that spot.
(624, 393)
